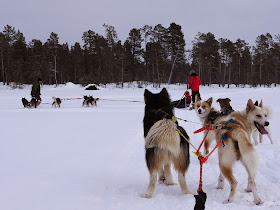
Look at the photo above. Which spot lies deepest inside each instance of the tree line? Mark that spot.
(149, 54)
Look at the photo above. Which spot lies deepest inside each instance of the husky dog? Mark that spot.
(25, 103)
(56, 102)
(226, 108)
(267, 114)
(238, 128)
(163, 144)
(33, 103)
(90, 101)
(207, 116)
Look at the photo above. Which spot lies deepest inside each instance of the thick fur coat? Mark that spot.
(163, 144)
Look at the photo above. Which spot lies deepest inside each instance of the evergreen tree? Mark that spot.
(176, 47)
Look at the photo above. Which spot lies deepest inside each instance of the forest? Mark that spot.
(149, 54)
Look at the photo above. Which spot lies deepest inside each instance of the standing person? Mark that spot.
(194, 83)
(36, 90)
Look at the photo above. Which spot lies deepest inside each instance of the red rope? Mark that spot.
(200, 157)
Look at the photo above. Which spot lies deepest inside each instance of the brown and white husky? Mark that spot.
(207, 115)
(238, 146)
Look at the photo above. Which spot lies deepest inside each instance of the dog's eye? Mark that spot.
(265, 115)
(258, 116)
(203, 107)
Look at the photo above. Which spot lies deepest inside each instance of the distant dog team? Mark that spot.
(90, 101)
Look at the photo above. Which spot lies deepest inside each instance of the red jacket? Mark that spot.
(194, 83)
(187, 95)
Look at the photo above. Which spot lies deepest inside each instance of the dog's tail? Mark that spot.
(164, 135)
(249, 156)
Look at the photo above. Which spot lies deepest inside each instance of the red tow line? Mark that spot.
(201, 158)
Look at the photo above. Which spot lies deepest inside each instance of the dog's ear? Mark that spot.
(219, 100)
(146, 92)
(197, 98)
(256, 103)
(164, 91)
(250, 106)
(209, 101)
(146, 95)
(228, 100)
(261, 104)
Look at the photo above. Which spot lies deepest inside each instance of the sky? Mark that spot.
(231, 19)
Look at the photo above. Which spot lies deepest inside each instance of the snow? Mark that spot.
(93, 158)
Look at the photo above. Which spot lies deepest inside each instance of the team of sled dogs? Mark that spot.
(88, 101)
(164, 145)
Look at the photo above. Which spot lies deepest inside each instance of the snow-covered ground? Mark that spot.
(76, 158)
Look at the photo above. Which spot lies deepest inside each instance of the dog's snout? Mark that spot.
(199, 111)
(266, 123)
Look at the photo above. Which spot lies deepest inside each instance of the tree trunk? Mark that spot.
(220, 73)
(229, 74)
(171, 73)
(157, 68)
(55, 77)
(122, 73)
(2, 65)
(239, 71)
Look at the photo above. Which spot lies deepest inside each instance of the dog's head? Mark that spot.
(257, 116)
(203, 108)
(157, 100)
(54, 98)
(158, 103)
(226, 108)
(85, 97)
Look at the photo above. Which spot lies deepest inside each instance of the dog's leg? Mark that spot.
(151, 188)
(250, 165)
(255, 135)
(269, 134)
(227, 172)
(211, 136)
(182, 182)
(168, 175)
(249, 186)
(221, 182)
(261, 138)
(206, 146)
(161, 176)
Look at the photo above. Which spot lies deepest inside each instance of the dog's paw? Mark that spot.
(220, 186)
(169, 182)
(161, 179)
(146, 195)
(187, 192)
(227, 201)
(248, 189)
(258, 202)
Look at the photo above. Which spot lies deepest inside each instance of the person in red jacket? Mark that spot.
(194, 83)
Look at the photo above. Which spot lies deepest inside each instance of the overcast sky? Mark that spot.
(232, 19)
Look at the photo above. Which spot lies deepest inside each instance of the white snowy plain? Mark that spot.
(76, 158)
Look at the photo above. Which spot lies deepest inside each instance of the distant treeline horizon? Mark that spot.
(152, 54)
